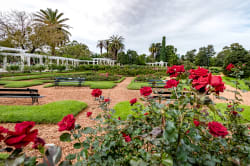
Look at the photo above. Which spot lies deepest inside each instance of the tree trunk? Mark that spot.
(33, 50)
(53, 50)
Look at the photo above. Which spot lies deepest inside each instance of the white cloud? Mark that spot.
(187, 24)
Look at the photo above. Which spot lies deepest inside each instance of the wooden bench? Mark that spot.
(59, 80)
(156, 83)
(21, 93)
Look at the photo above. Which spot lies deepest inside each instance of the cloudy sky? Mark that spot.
(187, 24)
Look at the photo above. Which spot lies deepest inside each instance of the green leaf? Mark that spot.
(16, 161)
(65, 163)
(87, 130)
(65, 137)
(30, 161)
(77, 145)
(77, 126)
(168, 161)
(71, 157)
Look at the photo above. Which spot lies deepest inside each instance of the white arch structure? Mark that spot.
(44, 59)
(161, 63)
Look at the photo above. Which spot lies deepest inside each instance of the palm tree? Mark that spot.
(116, 45)
(153, 50)
(56, 33)
(100, 44)
(106, 45)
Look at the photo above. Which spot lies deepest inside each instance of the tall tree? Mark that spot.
(171, 54)
(100, 44)
(106, 45)
(163, 55)
(157, 54)
(204, 55)
(152, 49)
(56, 33)
(190, 55)
(116, 45)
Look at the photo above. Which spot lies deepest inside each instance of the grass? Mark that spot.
(21, 84)
(123, 109)
(136, 85)
(48, 113)
(230, 81)
(120, 80)
(91, 84)
(29, 77)
(245, 114)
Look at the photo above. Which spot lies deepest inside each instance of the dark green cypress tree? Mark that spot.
(163, 56)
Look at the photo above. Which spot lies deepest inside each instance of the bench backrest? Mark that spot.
(19, 90)
(68, 79)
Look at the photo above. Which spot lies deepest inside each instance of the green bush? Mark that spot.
(12, 68)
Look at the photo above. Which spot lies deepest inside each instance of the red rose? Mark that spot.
(67, 123)
(196, 123)
(126, 137)
(229, 67)
(175, 70)
(89, 114)
(39, 142)
(199, 72)
(106, 100)
(187, 132)
(171, 83)
(133, 101)
(216, 82)
(146, 91)
(234, 113)
(229, 106)
(119, 118)
(200, 83)
(146, 113)
(217, 129)
(2, 130)
(96, 92)
(22, 135)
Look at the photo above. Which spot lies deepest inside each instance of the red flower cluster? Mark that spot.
(22, 135)
(89, 114)
(39, 142)
(107, 100)
(171, 83)
(196, 123)
(96, 92)
(230, 67)
(67, 123)
(146, 113)
(217, 129)
(133, 101)
(201, 78)
(234, 113)
(146, 91)
(175, 70)
(126, 137)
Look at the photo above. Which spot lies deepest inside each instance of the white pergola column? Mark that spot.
(28, 60)
(57, 61)
(41, 60)
(5, 62)
(22, 62)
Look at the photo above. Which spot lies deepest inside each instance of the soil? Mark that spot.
(50, 133)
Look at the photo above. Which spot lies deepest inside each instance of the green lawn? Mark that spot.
(230, 81)
(91, 84)
(29, 77)
(21, 84)
(245, 114)
(137, 85)
(123, 109)
(48, 113)
(120, 80)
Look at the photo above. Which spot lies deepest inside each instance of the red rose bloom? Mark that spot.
(39, 142)
(146, 113)
(187, 132)
(89, 114)
(96, 92)
(229, 67)
(217, 129)
(216, 82)
(133, 101)
(67, 123)
(22, 135)
(199, 72)
(107, 100)
(119, 118)
(229, 106)
(175, 70)
(200, 83)
(171, 83)
(2, 130)
(234, 113)
(146, 91)
(196, 123)
(126, 137)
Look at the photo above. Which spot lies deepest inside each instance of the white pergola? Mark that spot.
(161, 63)
(44, 59)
